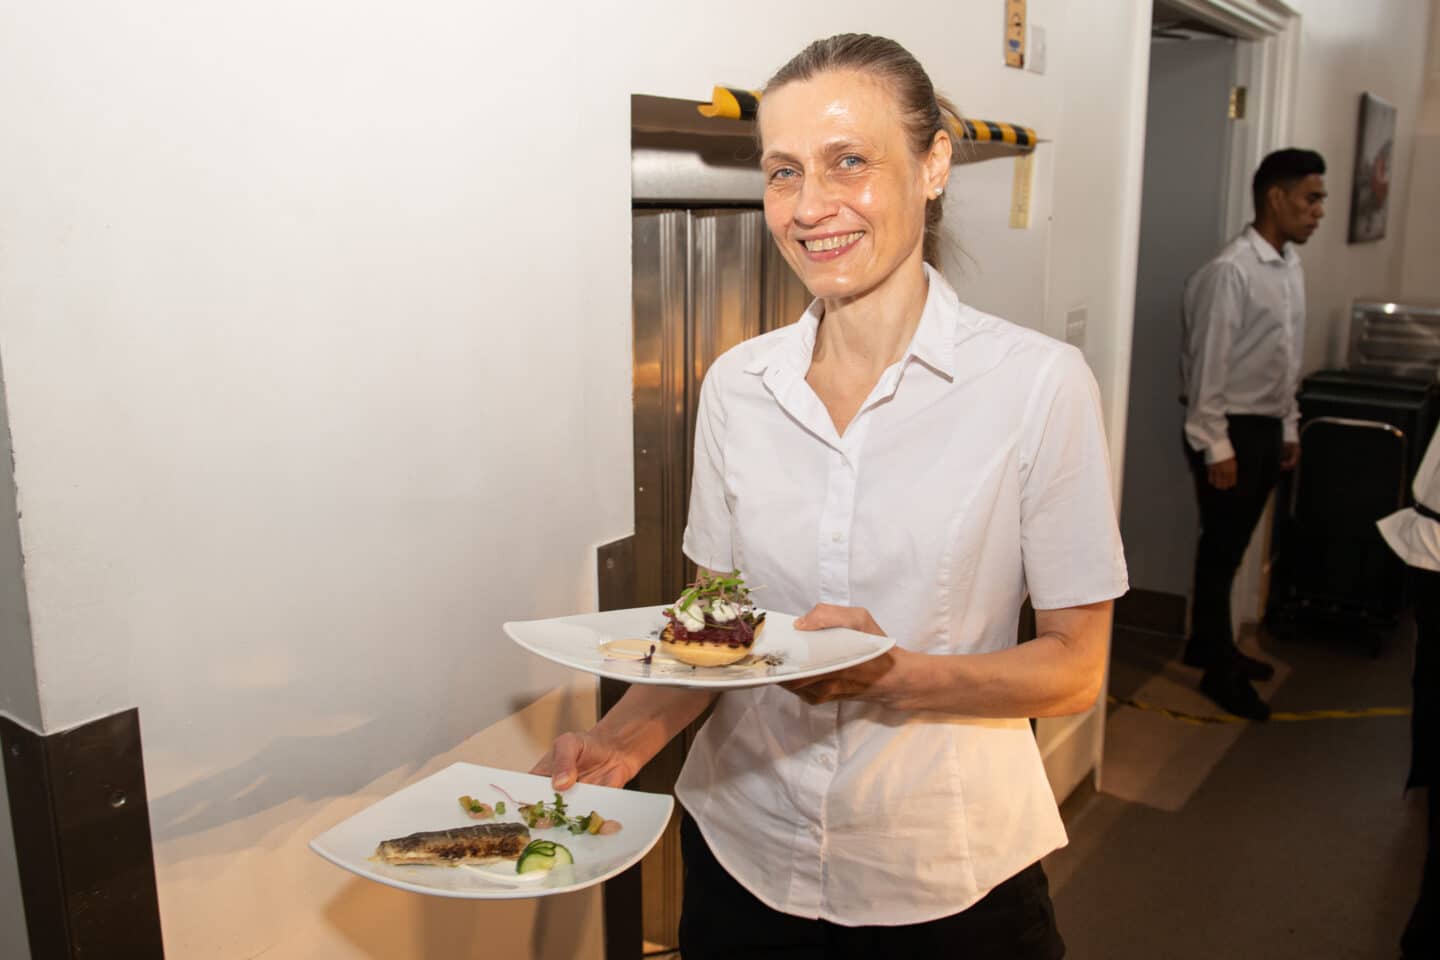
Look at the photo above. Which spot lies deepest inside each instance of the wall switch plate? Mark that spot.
(1035, 53)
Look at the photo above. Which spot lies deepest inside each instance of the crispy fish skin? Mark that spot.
(483, 843)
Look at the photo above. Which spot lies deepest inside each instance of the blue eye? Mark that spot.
(850, 161)
(783, 173)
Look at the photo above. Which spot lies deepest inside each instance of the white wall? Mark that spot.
(1346, 49)
(1421, 272)
(316, 318)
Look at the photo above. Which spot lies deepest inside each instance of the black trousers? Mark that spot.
(1227, 520)
(1422, 935)
(1425, 680)
(721, 920)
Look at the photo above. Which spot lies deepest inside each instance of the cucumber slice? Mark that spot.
(542, 855)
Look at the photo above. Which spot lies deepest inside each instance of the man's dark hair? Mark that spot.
(1283, 168)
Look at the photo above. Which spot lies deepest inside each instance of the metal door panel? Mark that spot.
(725, 248)
(660, 276)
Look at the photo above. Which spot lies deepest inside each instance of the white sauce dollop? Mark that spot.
(724, 612)
(689, 620)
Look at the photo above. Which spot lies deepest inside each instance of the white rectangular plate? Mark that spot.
(433, 804)
(588, 642)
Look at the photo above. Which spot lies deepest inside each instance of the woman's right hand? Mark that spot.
(584, 757)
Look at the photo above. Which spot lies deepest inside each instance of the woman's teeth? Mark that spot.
(832, 243)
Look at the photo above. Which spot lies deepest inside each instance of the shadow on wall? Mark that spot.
(273, 777)
(237, 877)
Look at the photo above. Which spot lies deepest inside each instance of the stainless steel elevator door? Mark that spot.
(704, 281)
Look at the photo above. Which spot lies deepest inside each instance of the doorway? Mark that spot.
(1187, 145)
(1219, 99)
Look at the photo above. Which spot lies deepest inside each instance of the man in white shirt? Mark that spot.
(1244, 337)
(1414, 535)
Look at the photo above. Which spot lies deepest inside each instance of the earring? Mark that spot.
(938, 191)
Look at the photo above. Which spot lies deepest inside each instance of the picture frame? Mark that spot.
(1374, 159)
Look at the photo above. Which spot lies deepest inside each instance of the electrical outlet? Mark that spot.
(1035, 49)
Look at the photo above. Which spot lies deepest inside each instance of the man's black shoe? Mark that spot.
(1252, 668)
(1249, 667)
(1231, 691)
(1197, 655)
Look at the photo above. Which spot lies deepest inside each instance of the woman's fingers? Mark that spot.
(812, 691)
(564, 765)
(822, 616)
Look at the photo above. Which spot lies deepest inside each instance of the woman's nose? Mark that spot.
(816, 201)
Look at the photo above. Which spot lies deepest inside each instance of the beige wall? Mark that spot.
(1421, 272)
(1347, 49)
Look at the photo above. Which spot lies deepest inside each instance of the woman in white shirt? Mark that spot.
(900, 463)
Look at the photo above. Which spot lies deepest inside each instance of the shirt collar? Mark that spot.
(933, 343)
(1264, 251)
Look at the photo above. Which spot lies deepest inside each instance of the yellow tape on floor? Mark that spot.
(1283, 717)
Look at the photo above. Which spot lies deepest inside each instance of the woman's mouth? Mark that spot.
(828, 248)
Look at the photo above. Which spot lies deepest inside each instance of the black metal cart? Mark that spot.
(1361, 436)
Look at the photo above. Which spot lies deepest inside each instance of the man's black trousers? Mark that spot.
(1227, 519)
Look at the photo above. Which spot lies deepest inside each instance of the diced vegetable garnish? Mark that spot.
(475, 809)
(545, 816)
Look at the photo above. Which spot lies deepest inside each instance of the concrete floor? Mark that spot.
(1276, 841)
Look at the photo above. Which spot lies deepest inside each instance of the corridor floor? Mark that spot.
(1230, 842)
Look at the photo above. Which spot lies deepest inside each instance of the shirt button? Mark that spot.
(837, 537)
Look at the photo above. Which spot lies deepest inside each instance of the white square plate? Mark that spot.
(434, 804)
(612, 644)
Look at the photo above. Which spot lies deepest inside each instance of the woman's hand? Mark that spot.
(625, 739)
(585, 758)
(880, 680)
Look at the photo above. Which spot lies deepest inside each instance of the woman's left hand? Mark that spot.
(880, 680)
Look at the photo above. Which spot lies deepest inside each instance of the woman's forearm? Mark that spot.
(1060, 672)
(648, 717)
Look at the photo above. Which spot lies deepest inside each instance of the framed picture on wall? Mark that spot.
(1374, 156)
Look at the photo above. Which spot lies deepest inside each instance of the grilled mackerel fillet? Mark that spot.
(483, 843)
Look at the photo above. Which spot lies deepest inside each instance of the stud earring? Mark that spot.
(938, 191)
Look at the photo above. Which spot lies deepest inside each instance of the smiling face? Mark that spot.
(845, 191)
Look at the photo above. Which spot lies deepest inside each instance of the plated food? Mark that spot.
(484, 843)
(627, 645)
(713, 624)
(429, 805)
(495, 842)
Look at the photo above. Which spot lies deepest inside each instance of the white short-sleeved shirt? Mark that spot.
(975, 471)
(1413, 537)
